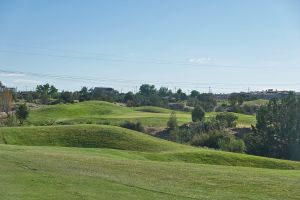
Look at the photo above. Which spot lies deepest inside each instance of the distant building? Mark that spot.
(177, 106)
(3, 87)
(105, 90)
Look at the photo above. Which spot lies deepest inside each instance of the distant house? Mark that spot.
(104, 89)
(3, 88)
(177, 106)
(6, 98)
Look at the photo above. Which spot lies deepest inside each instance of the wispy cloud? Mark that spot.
(200, 60)
(26, 81)
(11, 75)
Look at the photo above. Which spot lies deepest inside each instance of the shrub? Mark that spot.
(172, 123)
(233, 145)
(228, 119)
(210, 139)
(22, 113)
(198, 114)
(133, 126)
(10, 121)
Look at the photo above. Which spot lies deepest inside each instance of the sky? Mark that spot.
(208, 45)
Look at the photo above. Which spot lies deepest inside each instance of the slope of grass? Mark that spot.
(114, 114)
(75, 173)
(92, 136)
(138, 144)
(152, 109)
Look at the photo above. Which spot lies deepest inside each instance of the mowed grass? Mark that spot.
(106, 174)
(259, 102)
(108, 113)
(135, 143)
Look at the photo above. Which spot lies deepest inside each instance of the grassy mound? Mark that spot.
(108, 113)
(75, 173)
(152, 109)
(140, 145)
(88, 136)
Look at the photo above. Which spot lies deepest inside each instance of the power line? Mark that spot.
(126, 83)
(149, 61)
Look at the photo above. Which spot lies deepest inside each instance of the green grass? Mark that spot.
(259, 102)
(49, 162)
(152, 109)
(92, 136)
(73, 173)
(114, 114)
(135, 143)
(89, 161)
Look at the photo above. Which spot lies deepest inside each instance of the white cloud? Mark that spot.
(11, 75)
(200, 60)
(26, 81)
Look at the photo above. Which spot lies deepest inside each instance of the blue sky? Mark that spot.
(228, 45)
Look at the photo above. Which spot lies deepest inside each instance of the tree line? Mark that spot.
(148, 95)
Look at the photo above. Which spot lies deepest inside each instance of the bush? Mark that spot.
(198, 114)
(172, 123)
(22, 113)
(49, 122)
(10, 121)
(228, 119)
(133, 126)
(233, 145)
(210, 139)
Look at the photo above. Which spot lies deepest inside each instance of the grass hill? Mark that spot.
(108, 113)
(88, 136)
(75, 173)
(48, 162)
(144, 146)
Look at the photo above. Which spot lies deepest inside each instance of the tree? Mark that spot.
(236, 98)
(129, 96)
(172, 123)
(198, 114)
(84, 94)
(163, 92)
(147, 90)
(194, 94)
(277, 131)
(180, 95)
(66, 97)
(232, 99)
(22, 113)
(45, 92)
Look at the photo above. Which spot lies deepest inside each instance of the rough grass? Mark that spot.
(114, 114)
(136, 143)
(75, 173)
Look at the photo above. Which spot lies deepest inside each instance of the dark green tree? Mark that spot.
(22, 113)
(66, 97)
(276, 133)
(147, 90)
(84, 94)
(198, 114)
